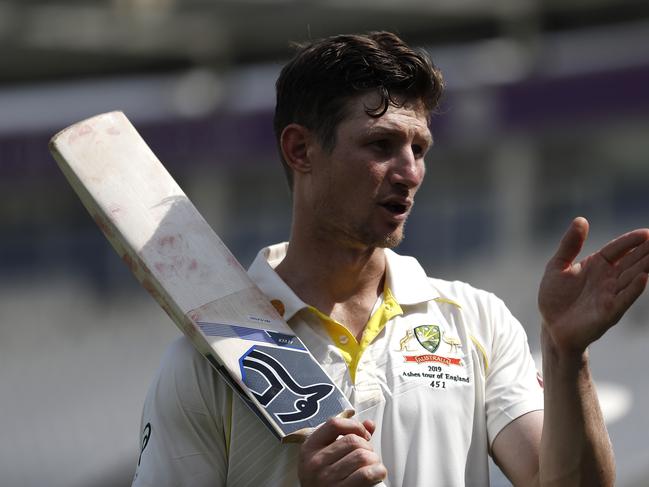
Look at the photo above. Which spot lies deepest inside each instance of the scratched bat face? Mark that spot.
(188, 270)
(280, 393)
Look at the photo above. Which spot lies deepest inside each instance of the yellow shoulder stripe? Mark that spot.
(448, 301)
(481, 349)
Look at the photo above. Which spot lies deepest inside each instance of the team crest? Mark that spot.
(428, 336)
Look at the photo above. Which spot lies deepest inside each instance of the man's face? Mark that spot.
(363, 189)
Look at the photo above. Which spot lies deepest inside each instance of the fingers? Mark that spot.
(621, 246)
(334, 428)
(348, 445)
(339, 453)
(572, 242)
(627, 296)
(634, 256)
(370, 475)
(634, 263)
(359, 467)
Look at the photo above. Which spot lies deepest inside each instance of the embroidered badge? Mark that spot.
(441, 365)
(428, 337)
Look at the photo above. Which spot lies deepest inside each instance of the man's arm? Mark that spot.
(184, 440)
(579, 302)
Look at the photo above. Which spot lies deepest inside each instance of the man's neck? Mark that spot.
(341, 281)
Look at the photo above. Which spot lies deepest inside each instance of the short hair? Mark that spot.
(314, 87)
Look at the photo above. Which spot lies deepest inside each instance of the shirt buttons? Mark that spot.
(343, 339)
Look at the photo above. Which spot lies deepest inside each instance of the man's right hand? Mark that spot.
(339, 453)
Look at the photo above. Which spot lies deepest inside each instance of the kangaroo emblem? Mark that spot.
(403, 343)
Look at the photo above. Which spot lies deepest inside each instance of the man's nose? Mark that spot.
(408, 169)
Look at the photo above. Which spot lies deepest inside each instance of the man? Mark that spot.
(440, 373)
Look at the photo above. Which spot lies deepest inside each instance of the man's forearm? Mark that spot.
(575, 447)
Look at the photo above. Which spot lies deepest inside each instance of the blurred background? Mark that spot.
(546, 117)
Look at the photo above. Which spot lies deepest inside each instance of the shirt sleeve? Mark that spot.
(512, 386)
(184, 424)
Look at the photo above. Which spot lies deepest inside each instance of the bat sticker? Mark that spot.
(295, 402)
(252, 334)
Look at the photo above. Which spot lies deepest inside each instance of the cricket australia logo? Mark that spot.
(428, 336)
(274, 387)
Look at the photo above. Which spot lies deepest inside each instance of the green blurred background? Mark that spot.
(546, 117)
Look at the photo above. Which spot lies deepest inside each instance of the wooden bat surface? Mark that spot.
(185, 266)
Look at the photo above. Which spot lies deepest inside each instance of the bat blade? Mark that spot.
(185, 266)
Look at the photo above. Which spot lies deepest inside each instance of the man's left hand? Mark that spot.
(580, 301)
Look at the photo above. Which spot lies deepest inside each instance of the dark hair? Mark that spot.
(315, 85)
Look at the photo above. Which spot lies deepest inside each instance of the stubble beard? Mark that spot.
(392, 240)
(357, 233)
(369, 238)
(389, 241)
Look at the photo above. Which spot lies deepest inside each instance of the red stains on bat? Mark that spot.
(176, 265)
(103, 224)
(232, 262)
(171, 249)
(155, 294)
(130, 263)
(112, 131)
(167, 240)
(191, 330)
(150, 288)
(142, 274)
(79, 131)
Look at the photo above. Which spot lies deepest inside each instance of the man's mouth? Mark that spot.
(397, 207)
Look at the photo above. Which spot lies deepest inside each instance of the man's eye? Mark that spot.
(381, 145)
(418, 150)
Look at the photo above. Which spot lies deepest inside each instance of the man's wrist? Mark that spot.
(560, 357)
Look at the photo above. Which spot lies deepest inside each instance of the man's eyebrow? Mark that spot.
(382, 130)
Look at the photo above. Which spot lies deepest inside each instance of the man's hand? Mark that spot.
(339, 453)
(580, 301)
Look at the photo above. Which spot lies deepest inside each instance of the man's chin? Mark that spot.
(391, 240)
(385, 238)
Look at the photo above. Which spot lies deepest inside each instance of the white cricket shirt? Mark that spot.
(441, 369)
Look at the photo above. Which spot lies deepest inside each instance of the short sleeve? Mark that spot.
(512, 386)
(184, 423)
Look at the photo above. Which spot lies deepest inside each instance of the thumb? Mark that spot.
(571, 242)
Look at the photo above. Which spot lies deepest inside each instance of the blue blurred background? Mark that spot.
(546, 117)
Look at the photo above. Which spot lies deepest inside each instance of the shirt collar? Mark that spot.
(405, 278)
(262, 271)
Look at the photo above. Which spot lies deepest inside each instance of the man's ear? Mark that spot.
(294, 142)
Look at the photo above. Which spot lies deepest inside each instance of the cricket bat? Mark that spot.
(185, 266)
